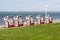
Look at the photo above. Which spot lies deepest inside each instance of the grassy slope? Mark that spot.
(38, 32)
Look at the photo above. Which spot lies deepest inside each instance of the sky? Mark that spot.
(29, 5)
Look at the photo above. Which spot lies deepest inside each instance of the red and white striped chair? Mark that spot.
(8, 22)
(18, 21)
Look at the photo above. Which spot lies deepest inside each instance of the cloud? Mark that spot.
(29, 5)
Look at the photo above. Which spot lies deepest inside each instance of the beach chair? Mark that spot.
(18, 21)
(42, 20)
(31, 20)
(8, 22)
(49, 19)
(27, 20)
(38, 19)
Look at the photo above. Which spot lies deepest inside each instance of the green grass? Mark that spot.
(37, 32)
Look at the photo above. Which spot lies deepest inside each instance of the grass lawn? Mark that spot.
(37, 32)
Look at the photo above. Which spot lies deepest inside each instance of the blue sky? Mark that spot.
(29, 5)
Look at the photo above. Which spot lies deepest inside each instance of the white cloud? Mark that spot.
(29, 5)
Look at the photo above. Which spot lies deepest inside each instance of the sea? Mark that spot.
(54, 15)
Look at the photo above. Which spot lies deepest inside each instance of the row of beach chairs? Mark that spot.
(17, 21)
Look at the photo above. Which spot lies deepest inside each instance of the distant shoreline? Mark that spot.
(43, 12)
(56, 20)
